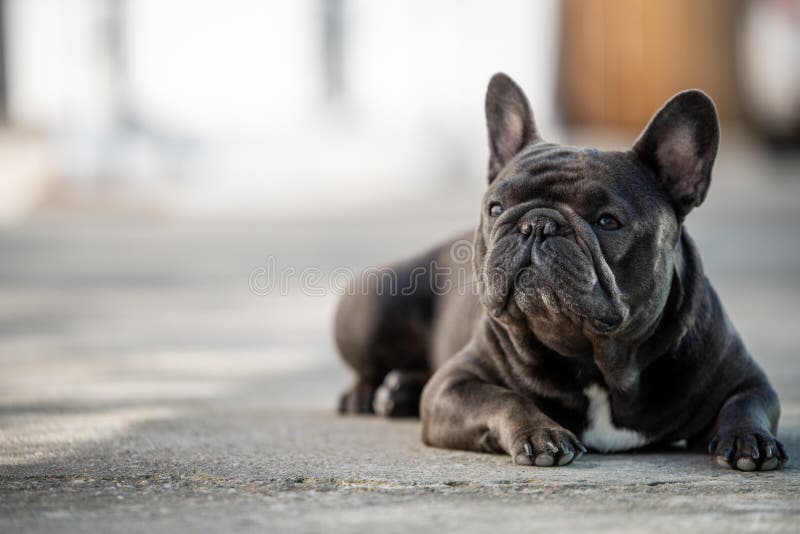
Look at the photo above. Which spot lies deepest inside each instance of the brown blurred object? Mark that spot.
(621, 59)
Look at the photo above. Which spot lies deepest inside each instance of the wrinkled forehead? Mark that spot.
(557, 173)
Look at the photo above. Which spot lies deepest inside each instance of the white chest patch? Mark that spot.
(601, 434)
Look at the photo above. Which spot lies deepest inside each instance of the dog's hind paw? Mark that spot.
(399, 394)
(357, 399)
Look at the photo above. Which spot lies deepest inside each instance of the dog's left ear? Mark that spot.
(680, 145)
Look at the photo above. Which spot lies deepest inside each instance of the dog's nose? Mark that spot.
(543, 226)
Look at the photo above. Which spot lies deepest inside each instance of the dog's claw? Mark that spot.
(528, 450)
(566, 458)
(546, 447)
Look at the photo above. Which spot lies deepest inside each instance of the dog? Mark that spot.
(592, 326)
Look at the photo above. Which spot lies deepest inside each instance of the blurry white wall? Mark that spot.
(214, 106)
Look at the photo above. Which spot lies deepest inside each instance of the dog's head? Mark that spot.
(580, 243)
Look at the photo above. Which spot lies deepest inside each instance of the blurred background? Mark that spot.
(210, 108)
(155, 154)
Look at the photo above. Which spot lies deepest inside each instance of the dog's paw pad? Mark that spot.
(746, 464)
(722, 461)
(770, 464)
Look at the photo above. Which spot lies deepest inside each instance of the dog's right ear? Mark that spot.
(509, 120)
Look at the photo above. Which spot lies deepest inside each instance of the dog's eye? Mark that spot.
(607, 222)
(495, 209)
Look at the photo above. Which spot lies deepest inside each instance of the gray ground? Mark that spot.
(143, 386)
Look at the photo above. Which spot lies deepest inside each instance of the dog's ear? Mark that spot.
(509, 120)
(680, 145)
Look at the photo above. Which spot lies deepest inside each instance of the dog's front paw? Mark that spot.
(546, 447)
(747, 450)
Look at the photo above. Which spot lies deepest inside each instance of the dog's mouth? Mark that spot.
(546, 264)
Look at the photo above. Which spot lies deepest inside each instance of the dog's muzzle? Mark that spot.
(567, 253)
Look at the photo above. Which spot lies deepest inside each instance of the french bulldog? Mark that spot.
(592, 325)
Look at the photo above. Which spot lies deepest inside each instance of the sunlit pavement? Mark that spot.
(145, 385)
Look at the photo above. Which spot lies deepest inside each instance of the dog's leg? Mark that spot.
(355, 332)
(462, 411)
(744, 433)
(380, 330)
